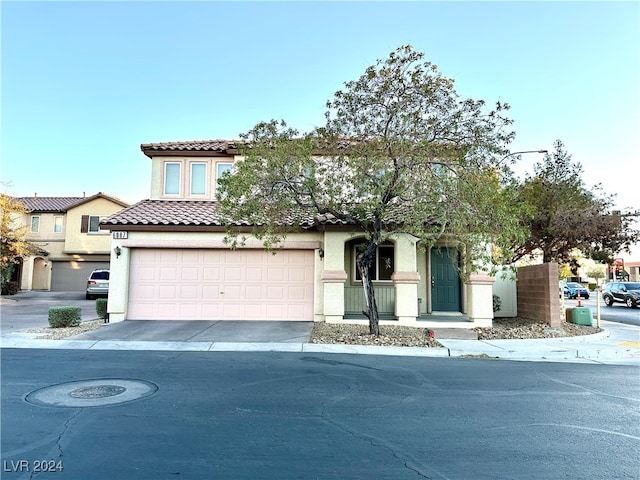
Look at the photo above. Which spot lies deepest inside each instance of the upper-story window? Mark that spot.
(189, 178)
(198, 178)
(35, 223)
(223, 167)
(57, 224)
(91, 224)
(172, 178)
(94, 224)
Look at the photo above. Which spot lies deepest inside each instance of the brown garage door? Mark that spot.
(220, 284)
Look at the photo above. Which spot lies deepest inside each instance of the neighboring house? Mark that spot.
(634, 271)
(169, 261)
(71, 244)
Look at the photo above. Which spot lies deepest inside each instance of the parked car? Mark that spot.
(98, 283)
(623, 292)
(572, 289)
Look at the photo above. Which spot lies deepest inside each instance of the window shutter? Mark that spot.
(84, 224)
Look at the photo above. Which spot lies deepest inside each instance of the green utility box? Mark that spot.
(580, 316)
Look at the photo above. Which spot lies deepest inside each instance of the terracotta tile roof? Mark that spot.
(62, 204)
(191, 213)
(177, 213)
(166, 212)
(216, 146)
(49, 204)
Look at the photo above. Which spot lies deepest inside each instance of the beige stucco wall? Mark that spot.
(423, 283)
(46, 238)
(157, 176)
(332, 272)
(89, 243)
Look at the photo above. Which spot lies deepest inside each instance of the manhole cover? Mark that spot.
(99, 391)
(92, 393)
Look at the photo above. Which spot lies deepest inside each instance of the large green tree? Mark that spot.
(562, 214)
(400, 152)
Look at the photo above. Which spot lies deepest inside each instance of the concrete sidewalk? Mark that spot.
(617, 344)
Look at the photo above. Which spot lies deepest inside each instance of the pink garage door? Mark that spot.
(190, 284)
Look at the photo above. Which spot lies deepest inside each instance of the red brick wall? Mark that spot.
(537, 290)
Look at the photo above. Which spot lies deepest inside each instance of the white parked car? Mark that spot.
(98, 283)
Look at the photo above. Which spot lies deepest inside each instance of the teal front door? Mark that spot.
(445, 280)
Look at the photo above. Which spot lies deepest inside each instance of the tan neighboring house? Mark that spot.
(169, 261)
(67, 232)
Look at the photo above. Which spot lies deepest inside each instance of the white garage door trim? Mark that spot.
(220, 284)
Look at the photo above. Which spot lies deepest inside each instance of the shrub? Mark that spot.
(497, 303)
(101, 307)
(60, 317)
(10, 288)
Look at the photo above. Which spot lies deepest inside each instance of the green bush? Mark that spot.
(10, 288)
(497, 303)
(101, 307)
(60, 317)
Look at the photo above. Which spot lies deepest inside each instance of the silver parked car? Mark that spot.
(98, 283)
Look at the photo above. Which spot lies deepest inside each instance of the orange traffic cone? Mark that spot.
(579, 302)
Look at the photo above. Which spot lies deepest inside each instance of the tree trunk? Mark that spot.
(363, 261)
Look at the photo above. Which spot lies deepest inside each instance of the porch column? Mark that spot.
(333, 276)
(333, 281)
(405, 280)
(118, 283)
(26, 282)
(480, 299)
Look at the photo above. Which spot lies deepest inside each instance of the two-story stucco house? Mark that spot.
(169, 261)
(67, 232)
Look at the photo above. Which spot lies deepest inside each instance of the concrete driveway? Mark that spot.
(30, 310)
(203, 331)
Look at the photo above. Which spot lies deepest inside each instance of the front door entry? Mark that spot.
(445, 280)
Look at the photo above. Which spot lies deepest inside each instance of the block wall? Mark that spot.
(537, 290)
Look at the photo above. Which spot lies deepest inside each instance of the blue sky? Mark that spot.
(85, 83)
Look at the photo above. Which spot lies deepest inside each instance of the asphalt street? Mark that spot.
(236, 415)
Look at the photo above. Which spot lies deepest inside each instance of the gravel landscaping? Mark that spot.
(48, 333)
(519, 328)
(359, 335)
(503, 328)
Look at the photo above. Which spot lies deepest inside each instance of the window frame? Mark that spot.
(356, 274)
(98, 231)
(165, 177)
(55, 224)
(218, 174)
(36, 219)
(220, 164)
(204, 178)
